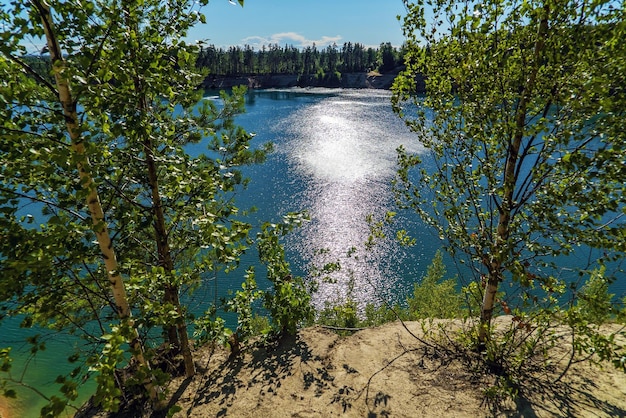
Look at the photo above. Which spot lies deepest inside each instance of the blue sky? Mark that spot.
(300, 23)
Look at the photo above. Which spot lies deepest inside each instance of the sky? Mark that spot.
(300, 23)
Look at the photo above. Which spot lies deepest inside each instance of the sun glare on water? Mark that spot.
(345, 148)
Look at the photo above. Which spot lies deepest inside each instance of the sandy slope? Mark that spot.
(4, 408)
(388, 371)
(378, 372)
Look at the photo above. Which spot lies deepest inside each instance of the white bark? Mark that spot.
(93, 201)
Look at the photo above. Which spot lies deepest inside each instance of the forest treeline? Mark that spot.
(274, 59)
(325, 64)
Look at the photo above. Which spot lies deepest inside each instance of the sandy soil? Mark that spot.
(388, 371)
(380, 372)
(8, 409)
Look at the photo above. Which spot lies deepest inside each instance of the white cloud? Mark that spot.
(290, 38)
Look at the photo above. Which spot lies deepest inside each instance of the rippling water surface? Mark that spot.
(335, 157)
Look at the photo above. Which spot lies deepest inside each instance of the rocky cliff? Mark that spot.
(348, 80)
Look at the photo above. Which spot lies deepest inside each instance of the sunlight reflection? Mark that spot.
(345, 147)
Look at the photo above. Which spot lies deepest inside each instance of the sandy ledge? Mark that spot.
(378, 372)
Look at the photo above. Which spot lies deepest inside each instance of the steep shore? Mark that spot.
(347, 80)
(393, 370)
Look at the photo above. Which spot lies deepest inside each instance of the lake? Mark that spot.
(334, 156)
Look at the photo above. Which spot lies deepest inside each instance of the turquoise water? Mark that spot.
(335, 156)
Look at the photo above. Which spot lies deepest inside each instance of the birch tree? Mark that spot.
(523, 121)
(98, 190)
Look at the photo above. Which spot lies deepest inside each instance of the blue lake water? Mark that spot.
(334, 156)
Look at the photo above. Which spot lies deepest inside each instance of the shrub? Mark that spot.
(435, 297)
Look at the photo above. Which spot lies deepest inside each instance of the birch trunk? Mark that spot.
(165, 258)
(177, 335)
(500, 252)
(93, 201)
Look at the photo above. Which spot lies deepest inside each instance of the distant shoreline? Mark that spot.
(267, 81)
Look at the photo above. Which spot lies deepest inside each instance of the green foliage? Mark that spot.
(210, 328)
(387, 57)
(537, 341)
(242, 304)
(435, 297)
(378, 315)
(594, 307)
(55, 407)
(378, 230)
(594, 301)
(341, 315)
(171, 214)
(274, 59)
(348, 315)
(260, 325)
(501, 391)
(473, 294)
(320, 75)
(174, 409)
(108, 392)
(523, 131)
(289, 301)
